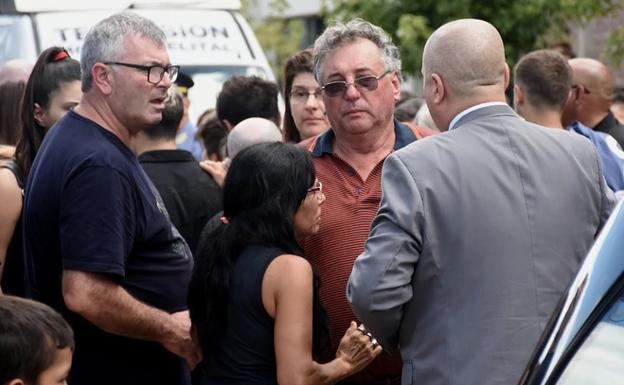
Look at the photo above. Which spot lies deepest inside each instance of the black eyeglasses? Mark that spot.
(363, 83)
(155, 72)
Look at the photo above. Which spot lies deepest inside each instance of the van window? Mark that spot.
(17, 38)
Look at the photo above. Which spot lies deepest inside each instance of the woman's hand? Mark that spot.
(357, 348)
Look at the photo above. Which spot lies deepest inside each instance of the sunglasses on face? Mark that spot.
(364, 83)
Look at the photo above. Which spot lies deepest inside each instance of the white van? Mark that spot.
(210, 40)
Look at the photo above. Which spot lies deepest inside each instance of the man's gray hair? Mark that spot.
(340, 33)
(104, 40)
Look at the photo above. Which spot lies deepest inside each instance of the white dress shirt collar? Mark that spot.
(470, 109)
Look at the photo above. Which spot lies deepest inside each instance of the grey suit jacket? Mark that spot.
(479, 231)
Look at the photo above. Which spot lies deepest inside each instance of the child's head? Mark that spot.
(36, 343)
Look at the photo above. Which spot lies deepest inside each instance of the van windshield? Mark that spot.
(208, 82)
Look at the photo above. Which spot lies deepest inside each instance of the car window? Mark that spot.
(600, 359)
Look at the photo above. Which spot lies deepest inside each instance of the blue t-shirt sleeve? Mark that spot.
(97, 222)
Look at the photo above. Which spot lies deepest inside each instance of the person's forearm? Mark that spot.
(331, 372)
(3, 253)
(113, 309)
(319, 374)
(2, 258)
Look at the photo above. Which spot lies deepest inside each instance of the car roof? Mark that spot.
(35, 6)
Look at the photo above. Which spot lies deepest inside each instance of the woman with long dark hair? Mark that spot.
(304, 114)
(252, 298)
(11, 94)
(53, 88)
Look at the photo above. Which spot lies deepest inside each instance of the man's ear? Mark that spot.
(102, 77)
(439, 90)
(518, 95)
(396, 86)
(574, 98)
(506, 76)
(16, 381)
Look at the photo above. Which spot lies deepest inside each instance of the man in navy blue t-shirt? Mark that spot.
(99, 244)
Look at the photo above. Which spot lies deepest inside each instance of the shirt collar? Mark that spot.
(325, 142)
(471, 109)
(166, 156)
(607, 123)
(580, 128)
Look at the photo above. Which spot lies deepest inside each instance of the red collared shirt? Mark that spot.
(348, 212)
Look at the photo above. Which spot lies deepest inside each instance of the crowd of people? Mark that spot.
(366, 236)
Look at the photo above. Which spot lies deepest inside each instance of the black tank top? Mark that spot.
(13, 273)
(247, 352)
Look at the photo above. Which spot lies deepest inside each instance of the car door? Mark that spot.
(583, 342)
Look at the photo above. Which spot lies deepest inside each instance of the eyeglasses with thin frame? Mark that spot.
(155, 72)
(301, 95)
(363, 83)
(318, 186)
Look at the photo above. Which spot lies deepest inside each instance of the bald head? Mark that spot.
(594, 76)
(468, 54)
(251, 131)
(16, 70)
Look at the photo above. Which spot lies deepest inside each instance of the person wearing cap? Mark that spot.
(187, 131)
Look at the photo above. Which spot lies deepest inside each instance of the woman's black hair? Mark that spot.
(53, 68)
(265, 185)
(11, 94)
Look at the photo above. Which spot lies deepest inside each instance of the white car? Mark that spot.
(583, 343)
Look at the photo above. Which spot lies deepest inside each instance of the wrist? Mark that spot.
(168, 331)
(342, 366)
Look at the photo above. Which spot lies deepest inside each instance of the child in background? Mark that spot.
(36, 343)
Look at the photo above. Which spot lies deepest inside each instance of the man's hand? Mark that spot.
(111, 308)
(218, 170)
(180, 342)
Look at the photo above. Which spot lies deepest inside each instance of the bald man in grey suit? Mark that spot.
(480, 229)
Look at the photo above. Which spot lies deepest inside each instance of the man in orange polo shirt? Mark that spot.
(359, 69)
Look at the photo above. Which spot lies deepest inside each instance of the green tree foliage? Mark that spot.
(279, 37)
(525, 25)
(615, 47)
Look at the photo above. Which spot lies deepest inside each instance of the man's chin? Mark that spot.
(154, 118)
(357, 126)
(146, 122)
